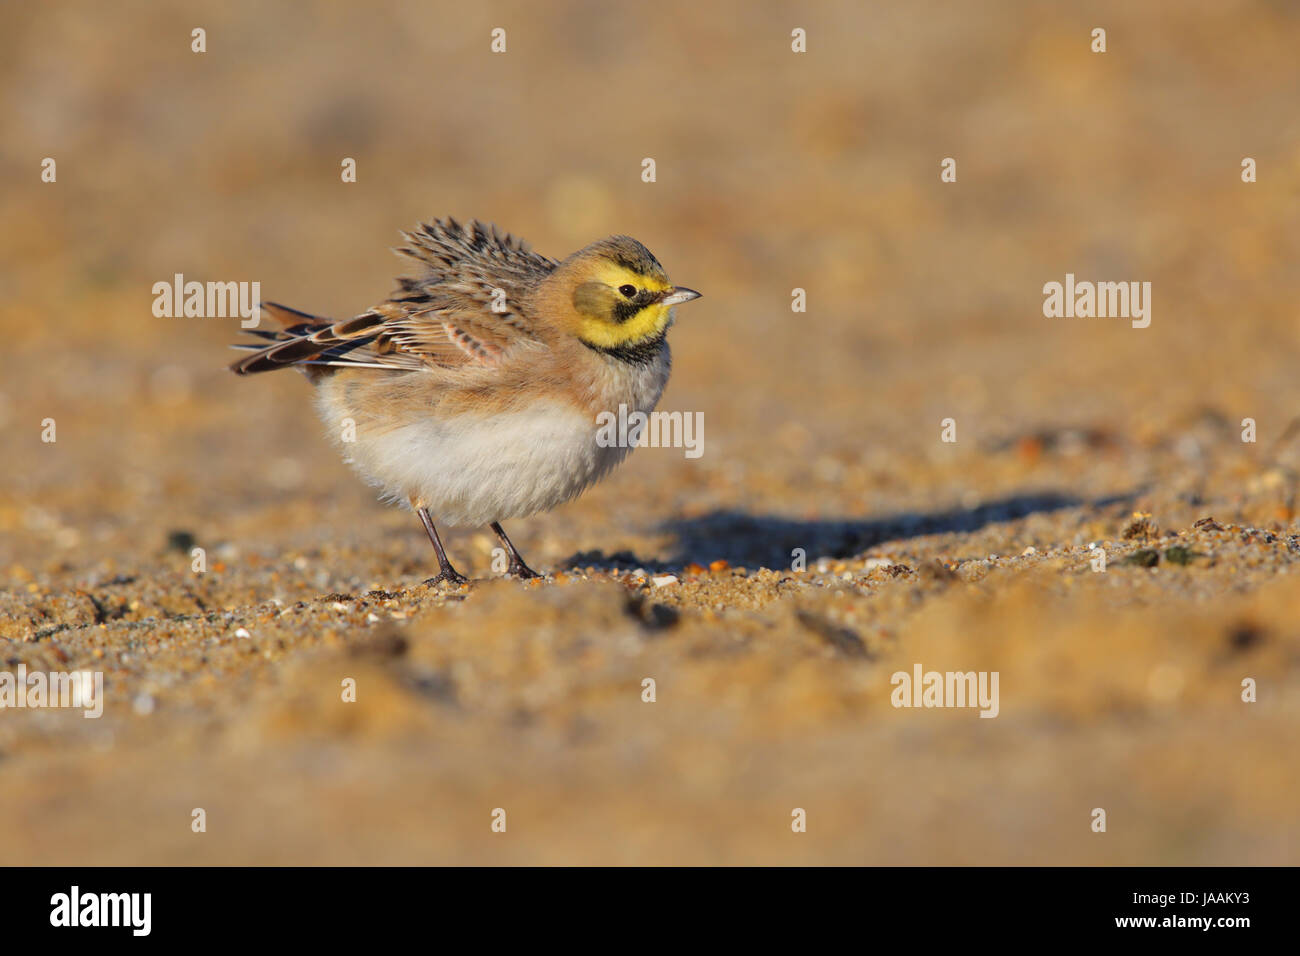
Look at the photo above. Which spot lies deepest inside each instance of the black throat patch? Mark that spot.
(633, 353)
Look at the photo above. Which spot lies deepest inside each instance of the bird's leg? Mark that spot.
(447, 572)
(517, 566)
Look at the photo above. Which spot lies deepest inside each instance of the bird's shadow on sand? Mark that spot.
(764, 541)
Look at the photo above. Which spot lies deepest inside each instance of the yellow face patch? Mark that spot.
(615, 275)
(649, 323)
(609, 319)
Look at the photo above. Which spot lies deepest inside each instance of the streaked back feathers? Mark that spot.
(479, 297)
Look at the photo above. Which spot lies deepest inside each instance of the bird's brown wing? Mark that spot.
(466, 306)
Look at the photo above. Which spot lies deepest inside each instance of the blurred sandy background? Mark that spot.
(775, 171)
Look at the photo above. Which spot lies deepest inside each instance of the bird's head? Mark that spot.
(618, 296)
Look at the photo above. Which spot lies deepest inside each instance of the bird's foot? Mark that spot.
(522, 571)
(448, 576)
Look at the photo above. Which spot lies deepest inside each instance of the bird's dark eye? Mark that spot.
(628, 291)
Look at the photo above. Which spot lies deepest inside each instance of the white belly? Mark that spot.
(473, 470)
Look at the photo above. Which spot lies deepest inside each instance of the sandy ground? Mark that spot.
(1119, 689)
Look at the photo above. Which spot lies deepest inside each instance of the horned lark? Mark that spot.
(472, 393)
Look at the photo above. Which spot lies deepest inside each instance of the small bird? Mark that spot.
(472, 393)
